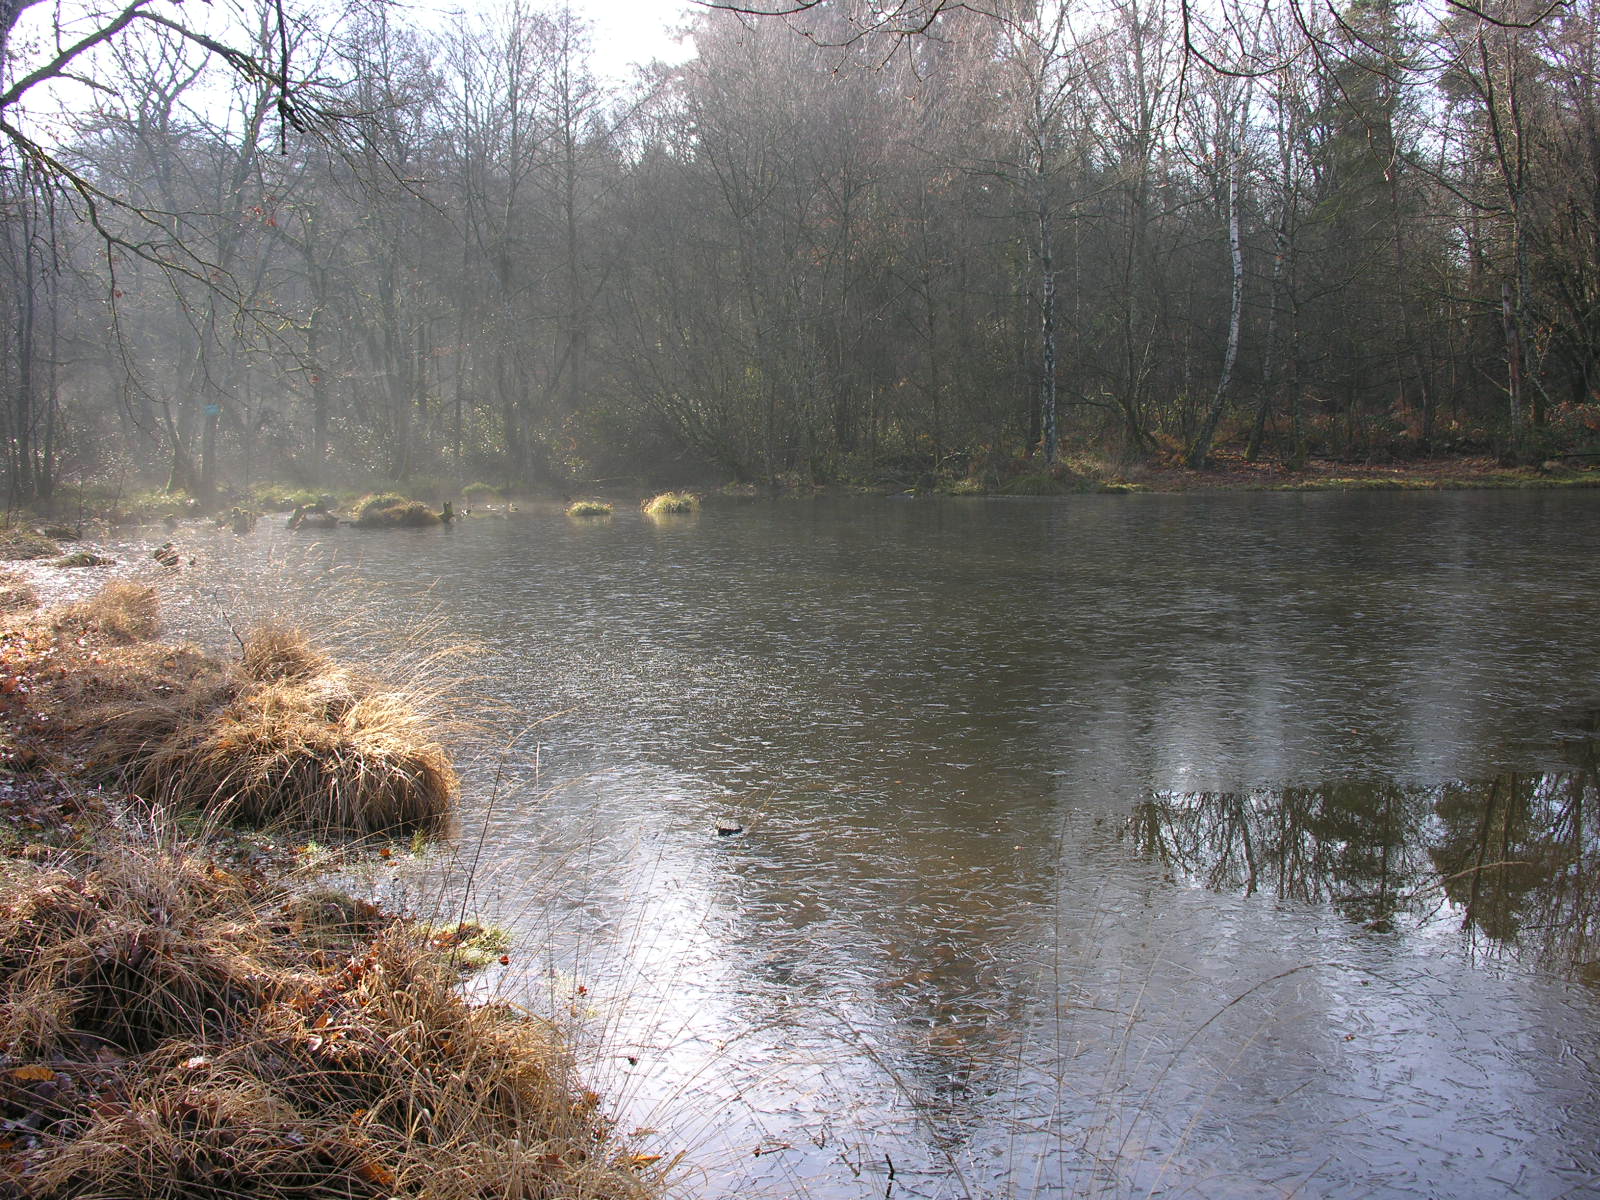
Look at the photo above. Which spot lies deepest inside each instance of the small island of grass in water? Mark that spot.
(173, 1024)
(388, 510)
(588, 508)
(672, 504)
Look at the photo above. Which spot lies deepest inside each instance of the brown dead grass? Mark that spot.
(280, 652)
(281, 737)
(119, 612)
(170, 1029)
(16, 593)
(319, 754)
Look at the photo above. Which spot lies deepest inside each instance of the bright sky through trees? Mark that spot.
(625, 31)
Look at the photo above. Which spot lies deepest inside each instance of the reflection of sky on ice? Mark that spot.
(938, 944)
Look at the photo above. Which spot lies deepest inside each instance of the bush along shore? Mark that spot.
(178, 1019)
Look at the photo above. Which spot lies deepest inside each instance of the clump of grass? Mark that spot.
(672, 503)
(182, 1031)
(283, 737)
(16, 593)
(120, 613)
(588, 508)
(126, 946)
(966, 487)
(480, 493)
(275, 651)
(18, 543)
(389, 510)
(85, 558)
(320, 754)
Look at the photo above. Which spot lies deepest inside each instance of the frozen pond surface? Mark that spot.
(1139, 845)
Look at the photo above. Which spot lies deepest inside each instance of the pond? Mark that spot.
(1233, 845)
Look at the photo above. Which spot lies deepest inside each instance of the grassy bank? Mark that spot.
(179, 1018)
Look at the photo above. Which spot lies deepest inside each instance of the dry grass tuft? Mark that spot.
(16, 593)
(170, 1030)
(120, 612)
(319, 754)
(275, 652)
(282, 737)
(18, 542)
(128, 949)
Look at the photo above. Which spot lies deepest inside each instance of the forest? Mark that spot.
(320, 245)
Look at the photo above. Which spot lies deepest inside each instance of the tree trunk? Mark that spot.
(1200, 451)
(1048, 434)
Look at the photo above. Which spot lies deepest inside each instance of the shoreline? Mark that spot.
(190, 1004)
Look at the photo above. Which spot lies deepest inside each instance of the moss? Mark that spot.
(85, 558)
(588, 508)
(671, 504)
(471, 945)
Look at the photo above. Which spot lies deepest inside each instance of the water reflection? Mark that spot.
(1515, 858)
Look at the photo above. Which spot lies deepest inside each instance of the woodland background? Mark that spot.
(326, 245)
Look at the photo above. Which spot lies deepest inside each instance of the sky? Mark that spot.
(625, 31)
(630, 31)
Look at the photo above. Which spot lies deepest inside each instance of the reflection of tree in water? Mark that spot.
(1518, 856)
(1515, 855)
(898, 948)
(1356, 845)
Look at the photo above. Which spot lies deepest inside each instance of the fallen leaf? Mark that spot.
(375, 1172)
(34, 1074)
(642, 1160)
